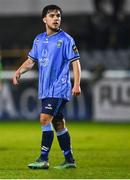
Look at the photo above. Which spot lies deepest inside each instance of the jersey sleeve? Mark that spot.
(71, 51)
(33, 52)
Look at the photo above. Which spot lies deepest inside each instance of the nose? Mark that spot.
(56, 18)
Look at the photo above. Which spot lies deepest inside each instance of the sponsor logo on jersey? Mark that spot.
(43, 62)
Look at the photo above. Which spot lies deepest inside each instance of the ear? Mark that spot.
(44, 20)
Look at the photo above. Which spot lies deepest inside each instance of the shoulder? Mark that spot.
(39, 37)
(67, 37)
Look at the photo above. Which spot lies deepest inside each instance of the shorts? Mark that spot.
(54, 107)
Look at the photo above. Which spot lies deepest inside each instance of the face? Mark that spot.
(52, 20)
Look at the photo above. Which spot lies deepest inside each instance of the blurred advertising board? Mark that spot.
(21, 102)
(111, 100)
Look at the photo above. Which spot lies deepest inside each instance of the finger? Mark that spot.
(75, 93)
(15, 82)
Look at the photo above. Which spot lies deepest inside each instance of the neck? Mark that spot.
(51, 32)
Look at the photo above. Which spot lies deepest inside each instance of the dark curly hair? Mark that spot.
(50, 8)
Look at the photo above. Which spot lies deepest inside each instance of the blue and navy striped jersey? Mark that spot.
(54, 54)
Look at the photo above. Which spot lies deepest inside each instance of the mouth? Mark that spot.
(56, 23)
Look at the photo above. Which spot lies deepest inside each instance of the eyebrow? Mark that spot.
(53, 11)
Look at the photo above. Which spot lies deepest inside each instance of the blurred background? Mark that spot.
(101, 29)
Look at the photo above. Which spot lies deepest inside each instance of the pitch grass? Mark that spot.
(101, 151)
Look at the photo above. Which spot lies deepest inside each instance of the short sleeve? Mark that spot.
(71, 51)
(33, 52)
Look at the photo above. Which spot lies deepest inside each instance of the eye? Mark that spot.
(58, 15)
(51, 15)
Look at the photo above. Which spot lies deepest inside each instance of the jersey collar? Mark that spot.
(53, 34)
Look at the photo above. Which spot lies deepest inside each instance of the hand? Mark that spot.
(76, 90)
(16, 78)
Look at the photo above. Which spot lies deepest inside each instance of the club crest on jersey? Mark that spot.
(59, 43)
(75, 49)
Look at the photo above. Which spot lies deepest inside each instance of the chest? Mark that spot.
(50, 48)
(50, 53)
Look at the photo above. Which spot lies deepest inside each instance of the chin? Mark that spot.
(55, 29)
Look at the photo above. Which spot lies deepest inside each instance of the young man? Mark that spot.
(54, 51)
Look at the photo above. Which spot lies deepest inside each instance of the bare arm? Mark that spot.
(76, 90)
(26, 66)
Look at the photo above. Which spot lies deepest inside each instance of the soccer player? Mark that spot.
(54, 51)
